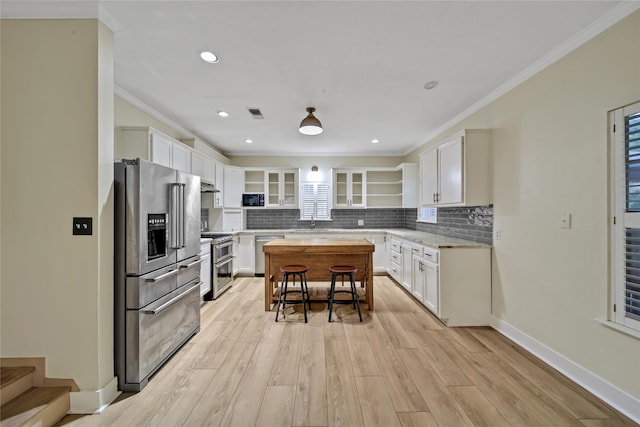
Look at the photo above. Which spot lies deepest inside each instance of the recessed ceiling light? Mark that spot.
(248, 141)
(375, 141)
(209, 57)
(223, 114)
(430, 85)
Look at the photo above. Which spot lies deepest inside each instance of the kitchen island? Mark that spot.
(318, 255)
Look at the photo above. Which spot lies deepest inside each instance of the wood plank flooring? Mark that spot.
(400, 367)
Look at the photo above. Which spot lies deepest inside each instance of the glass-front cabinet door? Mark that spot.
(282, 188)
(349, 188)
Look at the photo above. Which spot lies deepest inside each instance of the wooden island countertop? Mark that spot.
(318, 255)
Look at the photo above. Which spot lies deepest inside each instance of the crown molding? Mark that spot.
(612, 17)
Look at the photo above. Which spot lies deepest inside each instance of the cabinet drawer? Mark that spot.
(431, 254)
(395, 271)
(396, 257)
(395, 245)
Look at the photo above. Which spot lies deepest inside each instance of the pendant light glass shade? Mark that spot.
(310, 125)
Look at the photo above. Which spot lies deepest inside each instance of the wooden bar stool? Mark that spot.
(342, 271)
(293, 271)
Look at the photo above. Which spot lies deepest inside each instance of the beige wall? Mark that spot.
(57, 163)
(549, 158)
(127, 114)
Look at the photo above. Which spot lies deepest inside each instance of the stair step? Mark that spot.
(43, 406)
(14, 381)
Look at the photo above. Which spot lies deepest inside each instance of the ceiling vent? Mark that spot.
(255, 113)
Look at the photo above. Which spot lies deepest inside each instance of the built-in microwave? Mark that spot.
(253, 199)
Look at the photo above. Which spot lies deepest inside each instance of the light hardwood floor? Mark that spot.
(400, 367)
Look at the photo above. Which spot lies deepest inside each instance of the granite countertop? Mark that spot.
(435, 240)
(427, 239)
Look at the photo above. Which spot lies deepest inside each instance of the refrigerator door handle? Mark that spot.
(192, 264)
(162, 276)
(169, 303)
(177, 215)
(183, 214)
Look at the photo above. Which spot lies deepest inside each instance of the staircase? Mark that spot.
(26, 399)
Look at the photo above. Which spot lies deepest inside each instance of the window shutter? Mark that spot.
(308, 201)
(322, 201)
(632, 208)
(315, 201)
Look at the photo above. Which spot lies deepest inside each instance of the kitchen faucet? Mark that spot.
(312, 224)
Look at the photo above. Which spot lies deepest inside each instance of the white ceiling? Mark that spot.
(361, 64)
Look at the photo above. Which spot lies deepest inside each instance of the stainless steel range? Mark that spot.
(221, 263)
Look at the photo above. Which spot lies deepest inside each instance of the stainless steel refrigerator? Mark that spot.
(157, 267)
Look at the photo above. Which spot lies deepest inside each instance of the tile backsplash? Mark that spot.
(470, 223)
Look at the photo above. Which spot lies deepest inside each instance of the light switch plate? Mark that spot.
(565, 221)
(82, 226)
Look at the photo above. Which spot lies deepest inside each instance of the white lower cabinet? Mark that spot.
(453, 283)
(431, 295)
(464, 290)
(205, 269)
(418, 278)
(245, 258)
(395, 260)
(380, 257)
(407, 251)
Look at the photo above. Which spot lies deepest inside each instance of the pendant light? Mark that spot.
(310, 125)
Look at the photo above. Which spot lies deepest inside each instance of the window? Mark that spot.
(625, 211)
(428, 214)
(314, 203)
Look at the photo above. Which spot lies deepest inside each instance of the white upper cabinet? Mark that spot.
(451, 171)
(161, 148)
(232, 187)
(218, 198)
(281, 188)
(150, 144)
(349, 188)
(181, 157)
(456, 172)
(429, 177)
(392, 187)
(204, 167)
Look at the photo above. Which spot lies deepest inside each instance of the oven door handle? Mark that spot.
(224, 261)
(164, 306)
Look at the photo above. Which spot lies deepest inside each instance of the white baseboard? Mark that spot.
(619, 399)
(94, 402)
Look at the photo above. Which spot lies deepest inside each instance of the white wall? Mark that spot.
(549, 158)
(57, 163)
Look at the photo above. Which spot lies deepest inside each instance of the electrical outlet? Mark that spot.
(497, 234)
(82, 226)
(361, 222)
(565, 220)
